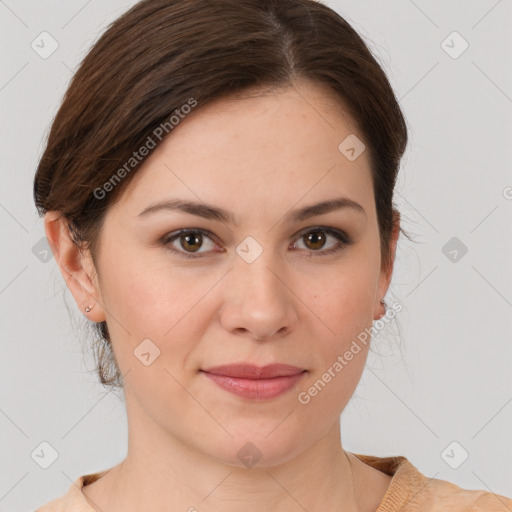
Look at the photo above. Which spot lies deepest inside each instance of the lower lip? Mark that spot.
(256, 389)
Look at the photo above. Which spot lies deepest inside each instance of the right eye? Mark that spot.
(187, 239)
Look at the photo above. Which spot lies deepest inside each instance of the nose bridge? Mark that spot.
(257, 267)
(257, 298)
(258, 281)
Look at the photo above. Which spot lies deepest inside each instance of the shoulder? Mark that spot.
(453, 497)
(412, 491)
(74, 500)
(56, 505)
(444, 495)
(490, 501)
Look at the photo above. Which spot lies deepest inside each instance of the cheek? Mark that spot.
(343, 299)
(342, 333)
(340, 352)
(349, 318)
(327, 392)
(145, 301)
(147, 294)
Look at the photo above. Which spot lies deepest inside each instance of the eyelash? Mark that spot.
(343, 241)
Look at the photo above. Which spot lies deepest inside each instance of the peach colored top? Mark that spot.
(409, 491)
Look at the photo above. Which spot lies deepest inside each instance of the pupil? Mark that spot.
(195, 238)
(315, 236)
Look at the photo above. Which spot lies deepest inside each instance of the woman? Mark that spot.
(217, 190)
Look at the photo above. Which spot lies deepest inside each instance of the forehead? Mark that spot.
(262, 147)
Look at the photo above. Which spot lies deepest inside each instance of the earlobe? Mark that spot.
(380, 310)
(75, 266)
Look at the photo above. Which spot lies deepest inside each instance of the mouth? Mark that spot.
(253, 382)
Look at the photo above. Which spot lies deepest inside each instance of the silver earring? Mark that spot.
(88, 308)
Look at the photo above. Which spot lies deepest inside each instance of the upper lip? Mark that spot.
(251, 371)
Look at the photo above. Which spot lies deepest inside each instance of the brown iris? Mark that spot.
(316, 238)
(192, 238)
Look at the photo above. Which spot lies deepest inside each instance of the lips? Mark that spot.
(254, 382)
(250, 371)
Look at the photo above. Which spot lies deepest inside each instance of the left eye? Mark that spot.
(317, 236)
(192, 239)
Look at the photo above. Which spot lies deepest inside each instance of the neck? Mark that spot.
(162, 473)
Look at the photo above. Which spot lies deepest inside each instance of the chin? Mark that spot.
(256, 448)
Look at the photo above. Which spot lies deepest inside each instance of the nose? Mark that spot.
(258, 300)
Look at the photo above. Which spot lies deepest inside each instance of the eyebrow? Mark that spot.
(211, 212)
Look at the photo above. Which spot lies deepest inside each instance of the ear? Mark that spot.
(387, 270)
(76, 266)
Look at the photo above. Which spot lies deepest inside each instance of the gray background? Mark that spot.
(441, 373)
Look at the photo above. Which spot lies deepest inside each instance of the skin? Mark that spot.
(259, 156)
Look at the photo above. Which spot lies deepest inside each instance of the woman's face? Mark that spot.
(266, 286)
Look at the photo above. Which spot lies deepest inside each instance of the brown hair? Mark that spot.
(159, 55)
